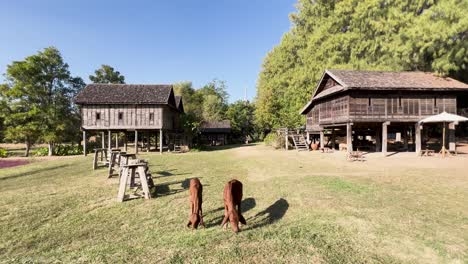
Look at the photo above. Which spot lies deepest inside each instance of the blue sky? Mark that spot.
(150, 41)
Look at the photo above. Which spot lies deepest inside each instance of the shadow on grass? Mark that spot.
(167, 173)
(246, 205)
(270, 215)
(164, 189)
(29, 173)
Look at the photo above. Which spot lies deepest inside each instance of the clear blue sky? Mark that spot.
(150, 41)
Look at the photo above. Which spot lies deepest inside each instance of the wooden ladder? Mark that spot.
(300, 142)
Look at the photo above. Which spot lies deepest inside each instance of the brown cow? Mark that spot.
(196, 213)
(232, 205)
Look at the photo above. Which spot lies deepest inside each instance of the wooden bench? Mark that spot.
(356, 156)
(129, 172)
(100, 158)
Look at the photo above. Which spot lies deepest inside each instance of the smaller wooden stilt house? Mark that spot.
(215, 133)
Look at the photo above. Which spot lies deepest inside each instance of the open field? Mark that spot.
(300, 208)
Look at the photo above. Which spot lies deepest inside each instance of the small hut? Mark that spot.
(215, 133)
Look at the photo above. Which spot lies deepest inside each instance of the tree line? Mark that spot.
(36, 102)
(400, 35)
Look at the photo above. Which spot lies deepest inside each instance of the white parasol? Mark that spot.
(444, 118)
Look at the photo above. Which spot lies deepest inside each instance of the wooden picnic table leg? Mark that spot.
(144, 182)
(122, 185)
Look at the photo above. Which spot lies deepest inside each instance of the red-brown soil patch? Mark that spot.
(8, 163)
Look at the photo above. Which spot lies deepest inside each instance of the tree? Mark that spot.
(215, 99)
(107, 74)
(38, 95)
(241, 115)
(360, 35)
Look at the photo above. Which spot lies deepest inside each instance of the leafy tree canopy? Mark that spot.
(426, 35)
(107, 74)
(37, 99)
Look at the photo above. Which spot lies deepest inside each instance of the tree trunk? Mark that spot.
(28, 148)
(51, 149)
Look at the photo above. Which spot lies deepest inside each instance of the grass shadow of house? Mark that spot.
(270, 215)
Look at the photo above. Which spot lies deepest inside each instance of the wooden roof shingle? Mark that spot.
(216, 126)
(125, 94)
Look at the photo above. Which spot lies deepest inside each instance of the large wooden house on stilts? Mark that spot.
(143, 110)
(366, 106)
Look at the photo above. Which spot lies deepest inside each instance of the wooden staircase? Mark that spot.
(300, 142)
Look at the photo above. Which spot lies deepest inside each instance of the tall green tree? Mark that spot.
(107, 74)
(241, 115)
(38, 95)
(425, 35)
(215, 100)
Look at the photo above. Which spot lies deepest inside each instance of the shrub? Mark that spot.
(274, 140)
(3, 153)
(59, 150)
(40, 152)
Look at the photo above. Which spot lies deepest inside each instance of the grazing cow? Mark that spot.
(196, 213)
(232, 205)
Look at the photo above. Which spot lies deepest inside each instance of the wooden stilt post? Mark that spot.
(84, 143)
(136, 141)
(417, 129)
(405, 138)
(160, 141)
(286, 140)
(109, 141)
(322, 140)
(385, 137)
(125, 141)
(349, 137)
(117, 140)
(308, 138)
(378, 140)
(148, 141)
(103, 140)
(333, 139)
(452, 141)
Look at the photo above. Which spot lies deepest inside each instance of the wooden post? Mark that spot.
(417, 138)
(136, 141)
(322, 139)
(452, 142)
(160, 141)
(103, 140)
(148, 141)
(333, 138)
(349, 137)
(384, 137)
(109, 141)
(84, 143)
(378, 140)
(286, 140)
(125, 141)
(117, 140)
(405, 138)
(308, 138)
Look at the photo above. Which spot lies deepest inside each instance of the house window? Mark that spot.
(98, 116)
(435, 102)
(369, 102)
(399, 101)
(151, 116)
(120, 115)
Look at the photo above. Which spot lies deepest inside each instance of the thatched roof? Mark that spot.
(216, 126)
(126, 94)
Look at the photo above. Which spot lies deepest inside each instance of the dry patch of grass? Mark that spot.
(300, 208)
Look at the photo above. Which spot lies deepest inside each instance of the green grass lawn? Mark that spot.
(300, 208)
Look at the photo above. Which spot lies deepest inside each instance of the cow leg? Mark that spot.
(226, 217)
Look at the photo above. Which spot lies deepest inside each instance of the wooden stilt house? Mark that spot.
(365, 107)
(144, 110)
